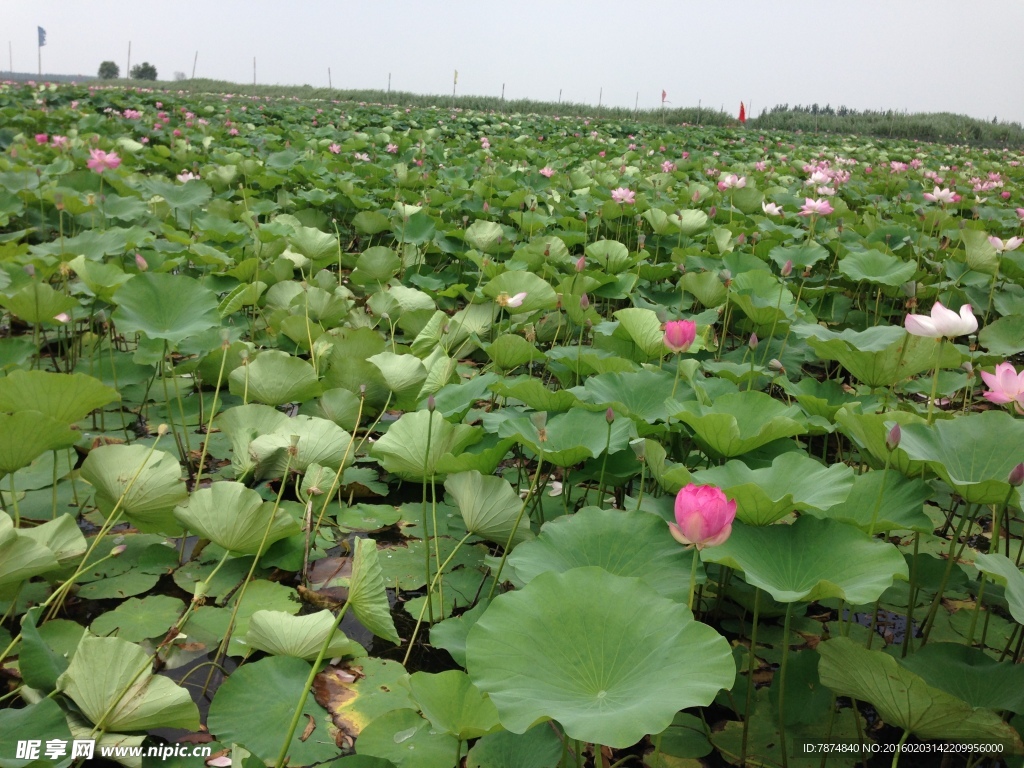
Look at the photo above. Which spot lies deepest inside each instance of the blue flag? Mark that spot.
(42, 36)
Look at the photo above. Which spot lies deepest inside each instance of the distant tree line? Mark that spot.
(144, 71)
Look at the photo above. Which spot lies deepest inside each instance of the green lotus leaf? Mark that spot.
(762, 298)
(905, 700)
(275, 378)
(876, 267)
(453, 705)
(738, 423)
(490, 507)
(26, 435)
(634, 544)
(403, 449)
(643, 329)
(236, 518)
(319, 442)
(367, 595)
(314, 244)
(869, 431)
(793, 481)
(509, 351)
(40, 721)
(601, 646)
(282, 634)
(1004, 571)
(165, 306)
(811, 559)
(243, 424)
(21, 557)
(803, 255)
(899, 501)
(104, 675)
(539, 294)
(974, 454)
(534, 394)
(539, 747)
(254, 707)
(62, 536)
(407, 740)
(883, 355)
(571, 437)
(405, 375)
(1004, 336)
(61, 396)
(149, 501)
(612, 255)
(136, 620)
(639, 395)
(38, 303)
(970, 674)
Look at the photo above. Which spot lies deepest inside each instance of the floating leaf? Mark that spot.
(65, 397)
(453, 705)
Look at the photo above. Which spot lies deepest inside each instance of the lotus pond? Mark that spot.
(352, 435)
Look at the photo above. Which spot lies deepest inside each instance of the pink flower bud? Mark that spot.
(680, 334)
(584, 301)
(581, 263)
(893, 437)
(1016, 478)
(609, 415)
(704, 516)
(141, 262)
(787, 268)
(752, 341)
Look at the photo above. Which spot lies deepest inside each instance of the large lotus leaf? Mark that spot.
(539, 294)
(640, 395)
(26, 435)
(539, 747)
(165, 306)
(869, 431)
(180, 196)
(905, 700)
(405, 375)
(762, 298)
(104, 674)
(534, 394)
(483, 235)
(21, 557)
(643, 328)
(509, 351)
(483, 456)
(739, 422)
(282, 634)
(40, 721)
(149, 501)
(38, 303)
(61, 396)
(275, 378)
(608, 658)
(489, 506)
(243, 424)
(319, 442)
(453, 705)
(612, 255)
(407, 740)
(254, 707)
(376, 265)
(974, 454)
(811, 559)
(636, 544)
(62, 536)
(413, 445)
(1004, 336)
(235, 517)
(314, 244)
(1004, 571)
(136, 620)
(803, 255)
(899, 501)
(571, 437)
(367, 595)
(877, 267)
(970, 674)
(881, 356)
(793, 481)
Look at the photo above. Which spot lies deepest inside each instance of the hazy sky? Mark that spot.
(919, 55)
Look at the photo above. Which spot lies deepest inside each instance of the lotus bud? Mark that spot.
(141, 262)
(712, 211)
(581, 263)
(487, 206)
(741, 238)
(704, 516)
(776, 365)
(967, 368)
(431, 403)
(118, 550)
(609, 415)
(162, 430)
(584, 301)
(893, 437)
(787, 268)
(1016, 478)
(752, 341)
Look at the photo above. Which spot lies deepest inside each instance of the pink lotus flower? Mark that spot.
(624, 195)
(1005, 386)
(704, 516)
(63, 317)
(943, 196)
(771, 209)
(812, 207)
(1020, 214)
(334, 149)
(679, 334)
(668, 166)
(943, 322)
(101, 161)
(42, 138)
(732, 181)
(517, 300)
(187, 176)
(391, 149)
(1010, 245)
(547, 170)
(59, 141)
(759, 165)
(484, 143)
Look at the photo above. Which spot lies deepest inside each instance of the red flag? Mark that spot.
(663, 96)
(743, 113)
